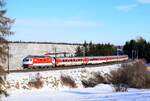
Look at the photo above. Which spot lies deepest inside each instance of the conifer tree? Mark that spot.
(5, 26)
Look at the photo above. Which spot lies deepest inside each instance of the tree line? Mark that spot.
(137, 49)
(90, 49)
(34, 42)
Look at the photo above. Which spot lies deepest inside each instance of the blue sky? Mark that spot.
(99, 21)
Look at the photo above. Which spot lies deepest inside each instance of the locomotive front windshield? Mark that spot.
(26, 59)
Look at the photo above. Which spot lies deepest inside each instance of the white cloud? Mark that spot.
(129, 7)
(56, 23)
(144, 1)
(126, 8)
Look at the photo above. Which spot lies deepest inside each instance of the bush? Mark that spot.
(148, 79)
(93, 81)
(98, 77)
(120, 87)
(68, 81)
(135, 75)
(3, 82)
(88, 83)
(38, 83)
(3, 87)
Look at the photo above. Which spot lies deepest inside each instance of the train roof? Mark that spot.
(43, 56)
(37, 56)
(93, 57)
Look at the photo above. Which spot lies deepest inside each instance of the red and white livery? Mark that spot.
(47, 61)
(38, 61)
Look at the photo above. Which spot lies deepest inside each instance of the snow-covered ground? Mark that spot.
(99, 93)
(53, 90)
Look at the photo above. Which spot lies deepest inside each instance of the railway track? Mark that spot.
(63, 67)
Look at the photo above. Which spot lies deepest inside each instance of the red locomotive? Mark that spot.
(47, 61)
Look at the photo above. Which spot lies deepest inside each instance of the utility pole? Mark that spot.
(84, 56)
(137, 54)
(54, 49)
(132, 54)
(84, 52)
(8, 58)
(117, 55)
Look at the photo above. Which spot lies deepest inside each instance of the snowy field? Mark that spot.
(53, 90)
(98, 93)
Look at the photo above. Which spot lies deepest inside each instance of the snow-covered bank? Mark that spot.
(51, 79)
(99, 93)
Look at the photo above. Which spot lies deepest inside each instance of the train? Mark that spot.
(43, 61)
